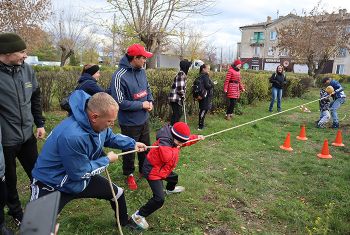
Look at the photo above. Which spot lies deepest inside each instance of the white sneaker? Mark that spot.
(177, 189)
(140, 221)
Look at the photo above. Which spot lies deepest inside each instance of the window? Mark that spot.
(259, 35)
(347, 29)
(271, 51)
(284, 52)
(273, 35)
(257, 38)
(340, 69)
(342, 52)
(257, 51)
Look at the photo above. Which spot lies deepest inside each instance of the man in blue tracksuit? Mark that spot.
(71, 158)
(130, 88)
(338, 99)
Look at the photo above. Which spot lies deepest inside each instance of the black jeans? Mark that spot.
(98, 187)
(177, 112)
(201, 118)
(231, 106)
(27, 153)
(139, 134)
(158, 198)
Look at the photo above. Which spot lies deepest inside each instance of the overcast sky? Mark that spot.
(223, 29)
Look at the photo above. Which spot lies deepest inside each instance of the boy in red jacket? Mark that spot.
(159, 165)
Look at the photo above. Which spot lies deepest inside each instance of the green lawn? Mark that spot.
(240, 182)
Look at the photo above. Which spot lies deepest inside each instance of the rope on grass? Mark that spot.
(259, 119)
(116, 203)
(212, 134)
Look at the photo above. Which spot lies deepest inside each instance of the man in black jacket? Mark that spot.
(20, 109)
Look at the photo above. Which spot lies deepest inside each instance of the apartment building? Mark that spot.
(258, 49)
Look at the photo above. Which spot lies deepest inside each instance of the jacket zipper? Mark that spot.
(19, 103)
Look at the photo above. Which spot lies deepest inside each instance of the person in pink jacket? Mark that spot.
(233, 87)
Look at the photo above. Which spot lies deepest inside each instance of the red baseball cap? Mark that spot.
(137, 49)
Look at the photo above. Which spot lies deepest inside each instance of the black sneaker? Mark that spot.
(17, 217)
(335, 125)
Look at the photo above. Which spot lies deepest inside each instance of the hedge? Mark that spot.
(57, 82)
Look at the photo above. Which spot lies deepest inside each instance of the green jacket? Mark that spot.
(20, 104)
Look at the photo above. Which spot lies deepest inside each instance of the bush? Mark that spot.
(339, 77)
(58, 82)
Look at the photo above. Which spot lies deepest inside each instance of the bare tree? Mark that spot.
(24, 18)
(315, 38)
(154, 20)
(210, 54)
(67, 29)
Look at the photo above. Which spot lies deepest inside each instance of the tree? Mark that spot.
(46, 50)
(154, 20)
(67, 29)
(315, 38)
(25, 18)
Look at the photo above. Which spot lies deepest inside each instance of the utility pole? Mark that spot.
(221, 60)
(113, 39)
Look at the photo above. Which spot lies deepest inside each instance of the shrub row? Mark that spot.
(57, 83)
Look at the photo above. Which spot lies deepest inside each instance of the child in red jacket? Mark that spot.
(159, 165)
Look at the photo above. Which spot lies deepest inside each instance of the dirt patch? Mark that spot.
(223, 230)
(250, 218)
(210, 197)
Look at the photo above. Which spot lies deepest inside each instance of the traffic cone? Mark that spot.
(286, 145)
(338, 140)
(302, 134)
(325, 151)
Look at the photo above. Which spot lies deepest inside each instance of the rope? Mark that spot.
(212, 134)
(116, 203)
(133, 151)
(113, 193)
(256, 120)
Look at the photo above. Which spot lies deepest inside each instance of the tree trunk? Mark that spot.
(65, 55)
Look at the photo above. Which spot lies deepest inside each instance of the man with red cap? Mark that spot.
(233, 87)
(159, 166)
(130, 88)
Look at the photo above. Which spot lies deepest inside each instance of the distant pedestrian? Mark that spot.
(205, 103)
(233, 87)
(278, 80)
(177, 94)
(338, 99)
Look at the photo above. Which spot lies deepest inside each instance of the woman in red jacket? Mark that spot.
(159, 165)
(233, 87)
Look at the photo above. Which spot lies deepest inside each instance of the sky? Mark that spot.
(222, 29)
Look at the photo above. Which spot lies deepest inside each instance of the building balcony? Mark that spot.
(257, 42)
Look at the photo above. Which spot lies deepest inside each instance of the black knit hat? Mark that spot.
(92, 70)
(10, 43)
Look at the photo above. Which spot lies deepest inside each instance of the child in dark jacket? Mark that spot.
(324, 106)
(159, 165)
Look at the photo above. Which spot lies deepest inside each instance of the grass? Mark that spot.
(240, 181)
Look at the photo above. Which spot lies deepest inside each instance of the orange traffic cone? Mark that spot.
(338, 140)
(325, 151)
(286, 145)
(302, 134)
